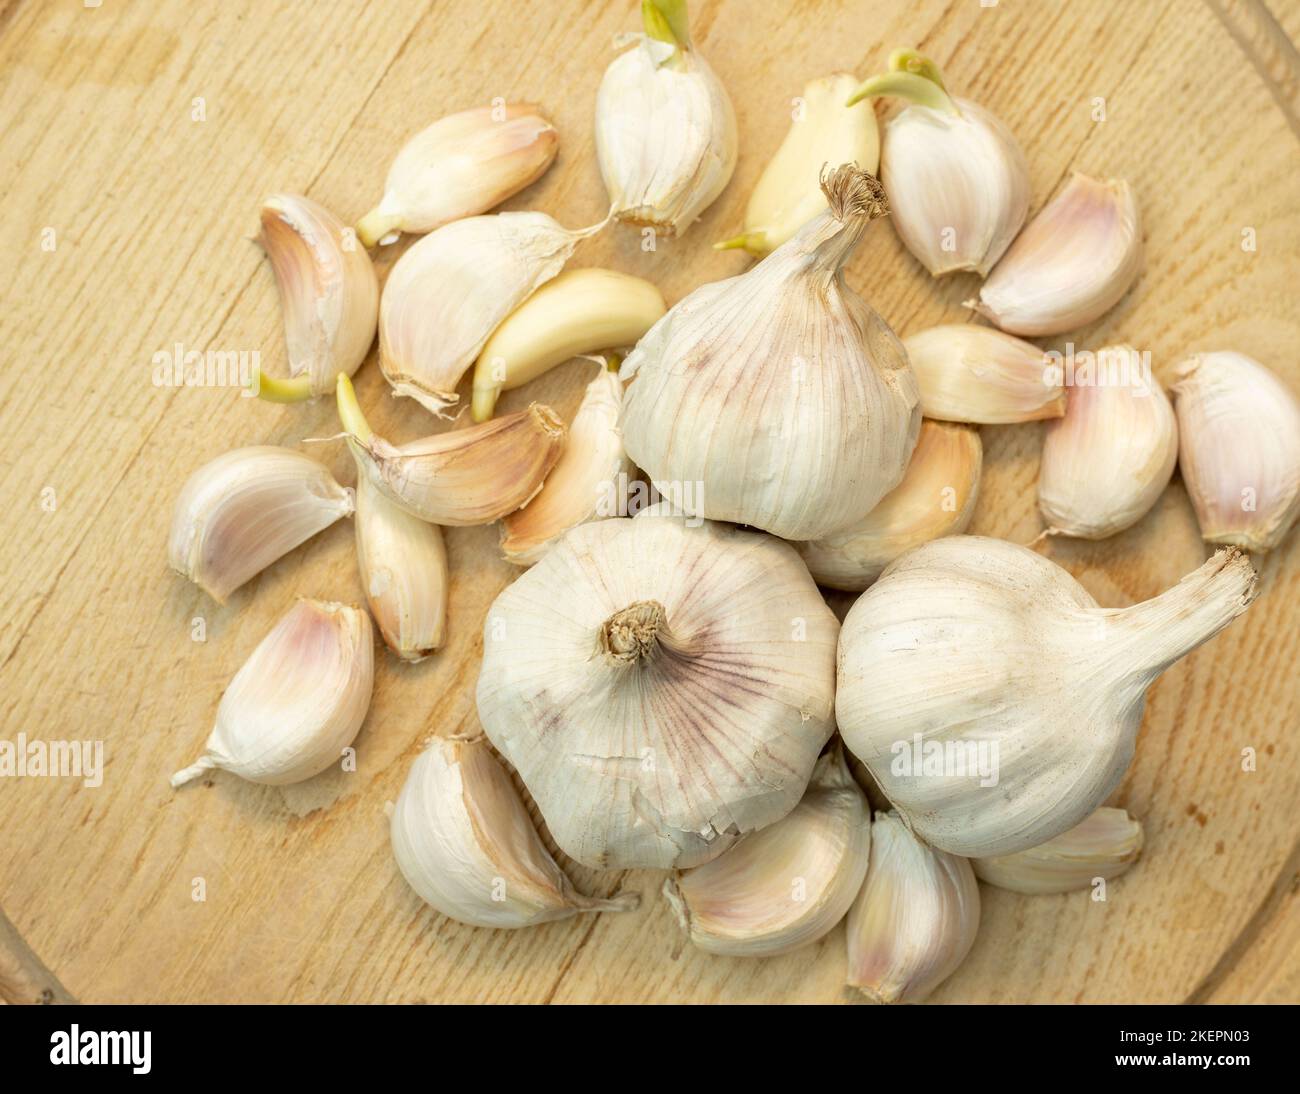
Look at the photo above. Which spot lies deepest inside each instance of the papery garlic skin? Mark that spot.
(1103, 846)
(1027, 695)
(936, 498)
(788, 884)
(238, 513)
(1239, 448)
(914, 921)
(661, 689)
(734, 381)
(1109, 459)
(969, 373)
(297, 702)
(464, 842)
(1071, 264)
(460, 166)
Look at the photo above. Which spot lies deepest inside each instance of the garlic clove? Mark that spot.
(238, 513)
(969, 373)
(462, 477)
(1239, 449)
(588, 471)
(666, 133)
(460, 166)
(1104, 846)
(789, 194)
(936, 498)
(915, 919)
(328, 292)
(297, 702)
(1071, 264)
(464, 842)
(1107, 461)
(993, 701)
(577, 312)
(790, 883)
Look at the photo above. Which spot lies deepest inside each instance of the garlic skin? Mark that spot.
(1071, 264)
(661, 689)
(1104, 845)
(969, 373)
(1109, 459)
(788, 193)
(788, 884)
(297, 702)
(914, 921)
(460, 166)
(735, 379)
(1239, 448)
(592, 462)
(991, 698)
(241, 512)
(464, 842)
(936, 498)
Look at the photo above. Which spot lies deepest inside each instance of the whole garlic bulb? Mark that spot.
(661, 689)
(993, 701)
(779, 392)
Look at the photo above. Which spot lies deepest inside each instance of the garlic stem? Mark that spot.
(904, 59)
(350, 414)
(667, 21)
(290, 389)
(906, 85)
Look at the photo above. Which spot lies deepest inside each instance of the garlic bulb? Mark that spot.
(578, 312)
(450, 291)
(465, 476)
(463, 841)
(789, 193)
(240, 512)
(936, 498)
(957, 180)
(1239, 439)
(914, 921)
(665, 128)
(779, 392)
(297, 702)
(1108, 460)
(1104, 845)
(587, 472)
(328, 292)
(662, 689)
(788, 884)
(1071, 264)
(460, 166)
(992, 699)
(969, 373)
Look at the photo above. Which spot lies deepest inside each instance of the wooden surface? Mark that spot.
(152, 211)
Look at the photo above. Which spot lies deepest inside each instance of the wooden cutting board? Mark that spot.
(140, 138)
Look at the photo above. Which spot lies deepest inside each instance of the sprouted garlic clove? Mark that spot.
(1102, 847)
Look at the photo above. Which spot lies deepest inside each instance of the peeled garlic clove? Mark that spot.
(589, 469)
(790, 883)
(465, 476)
(578, 312)
(936, 498)
(661, 689)
(1239, 440)
(993, 701)
(733, 382)
(1071, 264)
(969, 373)
(464, 842)
(240, 512)
(1108, 460)
(789, 192)
(297, 702)
(1103, 846)
(957, 180)
(460, 166)
(665, 128)
(914, 921)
